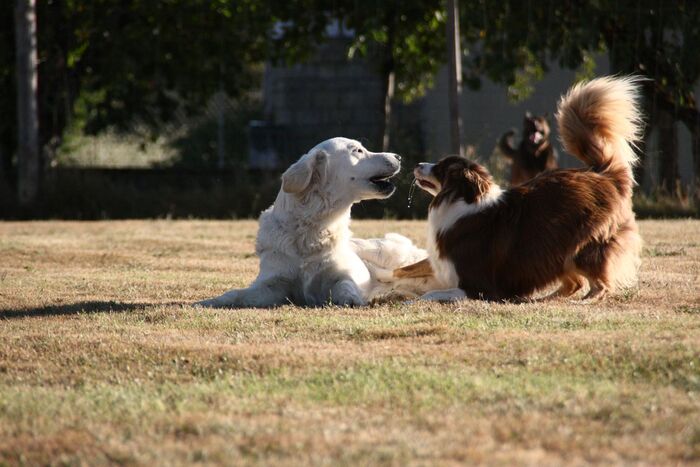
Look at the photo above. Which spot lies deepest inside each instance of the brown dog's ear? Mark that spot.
(480, 184)
(299, 176)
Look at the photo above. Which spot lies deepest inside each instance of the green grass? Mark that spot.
(103, 361)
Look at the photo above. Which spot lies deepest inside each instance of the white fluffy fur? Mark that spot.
(441, 219)
(307, 254)
(617, 125)
(382, 256)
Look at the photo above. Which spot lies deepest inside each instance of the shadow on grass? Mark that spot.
(73, 309)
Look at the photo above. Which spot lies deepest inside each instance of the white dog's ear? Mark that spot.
(307, 170)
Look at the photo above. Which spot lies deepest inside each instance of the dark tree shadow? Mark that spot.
(76, 308)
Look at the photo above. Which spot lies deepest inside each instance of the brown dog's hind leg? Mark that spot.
(570, 284)
(593, 263)
(598, 291)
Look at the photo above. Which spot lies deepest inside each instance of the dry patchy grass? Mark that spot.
(102, 361)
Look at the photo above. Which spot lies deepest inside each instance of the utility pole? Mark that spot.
(454, 72)
(27, 113)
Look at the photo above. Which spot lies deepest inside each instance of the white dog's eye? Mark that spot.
(358, 150)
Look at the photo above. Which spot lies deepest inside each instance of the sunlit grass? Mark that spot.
(104, 361)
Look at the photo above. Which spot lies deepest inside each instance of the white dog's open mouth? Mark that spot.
(383, 181)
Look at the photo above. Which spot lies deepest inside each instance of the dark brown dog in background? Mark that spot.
(534, 154)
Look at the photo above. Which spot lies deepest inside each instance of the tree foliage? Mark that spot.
(141, 59)
(407, 38)
(110, 62)
(514, 43)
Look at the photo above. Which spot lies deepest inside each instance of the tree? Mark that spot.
(144, 60)
(27, 114)
(107, 63)
(454, 74)
(403, 40)
(512, 42)
(658, 40)
(110, 63)
(8, 98)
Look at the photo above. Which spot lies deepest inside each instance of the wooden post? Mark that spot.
(27, 113)
(389, 80)
(389, 85)
(454, 72)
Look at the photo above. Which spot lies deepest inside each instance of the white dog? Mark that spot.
(307, 255)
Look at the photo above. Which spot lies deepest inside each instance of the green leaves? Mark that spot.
(152, 60)
(406, 38)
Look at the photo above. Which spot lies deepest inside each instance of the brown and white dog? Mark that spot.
(562, 226)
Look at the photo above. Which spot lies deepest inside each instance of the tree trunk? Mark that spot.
(3, 175)
(388, 75)
(454, 73)
(668, 152)
(27, 114)
(7, 171)
(220, 128)
(641, 150)
(389, 78)
(695, 135)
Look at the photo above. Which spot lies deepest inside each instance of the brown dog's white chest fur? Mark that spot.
(442, 218)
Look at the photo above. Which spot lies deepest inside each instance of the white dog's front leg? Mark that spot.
(259, 295)
(346, 293)
(446, 295)
(229, 298)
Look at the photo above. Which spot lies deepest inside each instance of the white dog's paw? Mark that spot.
(446, 295)
(346, 293)
(350, 301)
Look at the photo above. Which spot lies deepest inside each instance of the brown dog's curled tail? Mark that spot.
(599, 123)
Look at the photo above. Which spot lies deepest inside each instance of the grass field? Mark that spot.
(102, 360)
